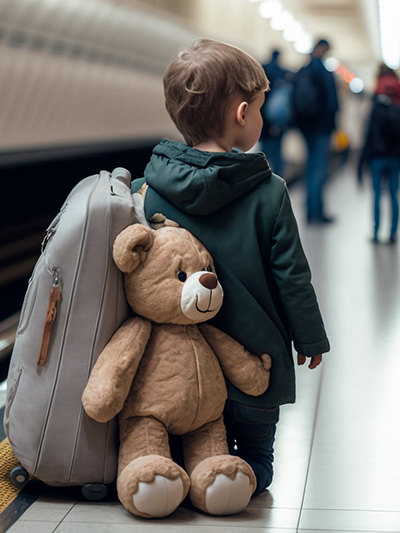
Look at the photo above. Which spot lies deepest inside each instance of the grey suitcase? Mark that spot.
(73, 304)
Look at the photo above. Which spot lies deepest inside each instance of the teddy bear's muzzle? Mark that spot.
(202, 296)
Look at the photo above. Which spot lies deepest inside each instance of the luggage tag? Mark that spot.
(54, 298)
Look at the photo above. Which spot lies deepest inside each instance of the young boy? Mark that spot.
(242, 213)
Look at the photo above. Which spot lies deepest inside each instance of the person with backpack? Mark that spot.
(381, 148)
(276, 112)
(315, 106)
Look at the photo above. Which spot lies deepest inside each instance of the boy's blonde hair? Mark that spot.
(199, 84)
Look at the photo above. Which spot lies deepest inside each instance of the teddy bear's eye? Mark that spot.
(209, 269)
(182, 275)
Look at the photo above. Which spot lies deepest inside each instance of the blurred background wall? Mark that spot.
(81, 90)
(89, 71)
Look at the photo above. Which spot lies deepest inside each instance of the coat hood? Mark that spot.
(200, 183)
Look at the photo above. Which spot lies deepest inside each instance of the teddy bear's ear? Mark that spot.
(131, 246)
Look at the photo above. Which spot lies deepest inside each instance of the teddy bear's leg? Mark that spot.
(149, 483)
(221, 484)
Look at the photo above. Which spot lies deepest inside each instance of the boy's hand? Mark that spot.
(315, 360)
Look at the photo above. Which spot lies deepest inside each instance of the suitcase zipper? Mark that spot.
(54, 298)
(52, 227)
(29, 301)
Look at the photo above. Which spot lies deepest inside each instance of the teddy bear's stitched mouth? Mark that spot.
(208, 310)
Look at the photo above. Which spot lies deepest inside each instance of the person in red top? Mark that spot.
(388, 84)
(381, 149)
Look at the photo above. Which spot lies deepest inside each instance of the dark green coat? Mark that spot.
(241, 212)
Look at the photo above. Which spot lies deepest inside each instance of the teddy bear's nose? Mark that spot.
(209, 281)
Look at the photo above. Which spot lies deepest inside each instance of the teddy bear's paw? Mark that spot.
(266, 361)
(222, 485)
(152, 486)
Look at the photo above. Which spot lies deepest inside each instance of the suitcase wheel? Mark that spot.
(94, 491)
(19, 476)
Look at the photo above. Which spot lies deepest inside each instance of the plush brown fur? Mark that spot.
(162, 373)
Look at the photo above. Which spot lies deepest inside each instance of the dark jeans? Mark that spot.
(388, 167)
(272, 148)
(316, 172)
(251, 434)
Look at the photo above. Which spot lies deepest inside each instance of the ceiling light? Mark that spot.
(356, 85)
(269, 8)
(331, 63)
(389, 15)
(279, 21)
(292, 31)
(303, 44)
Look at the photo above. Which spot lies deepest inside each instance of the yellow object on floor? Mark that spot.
(8, 461)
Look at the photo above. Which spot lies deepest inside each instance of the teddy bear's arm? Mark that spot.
(249, 372)
(113, 373)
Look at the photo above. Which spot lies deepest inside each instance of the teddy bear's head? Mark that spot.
(169, 275)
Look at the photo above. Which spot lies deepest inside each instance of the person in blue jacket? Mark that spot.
(273, 130)
(315, 109)
(241, 211)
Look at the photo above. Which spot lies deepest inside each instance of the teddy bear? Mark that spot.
(163, 372)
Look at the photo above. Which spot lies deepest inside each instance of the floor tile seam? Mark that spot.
(264, 528)
(316, 413)
(347, 530)
(117, 522)
(281, 508)
(66, 514)
(352, 510)
(183, 527)
(34, 520)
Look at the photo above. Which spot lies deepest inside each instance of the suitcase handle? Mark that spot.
(123, 175)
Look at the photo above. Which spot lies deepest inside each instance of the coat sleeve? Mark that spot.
(292, 277)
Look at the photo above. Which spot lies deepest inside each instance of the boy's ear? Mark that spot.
(241, 113)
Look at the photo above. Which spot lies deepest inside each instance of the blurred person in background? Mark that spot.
(276, 111)
(315, 105)
(381, 149)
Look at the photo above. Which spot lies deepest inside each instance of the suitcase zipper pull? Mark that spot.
(54, 298)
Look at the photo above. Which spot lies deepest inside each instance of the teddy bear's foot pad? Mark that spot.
(228, 496)
(152, 486)
(160, 497)
(222, 485)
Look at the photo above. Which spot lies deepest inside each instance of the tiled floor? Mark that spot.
(338, 449)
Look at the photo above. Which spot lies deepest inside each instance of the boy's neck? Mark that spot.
(213, 146)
